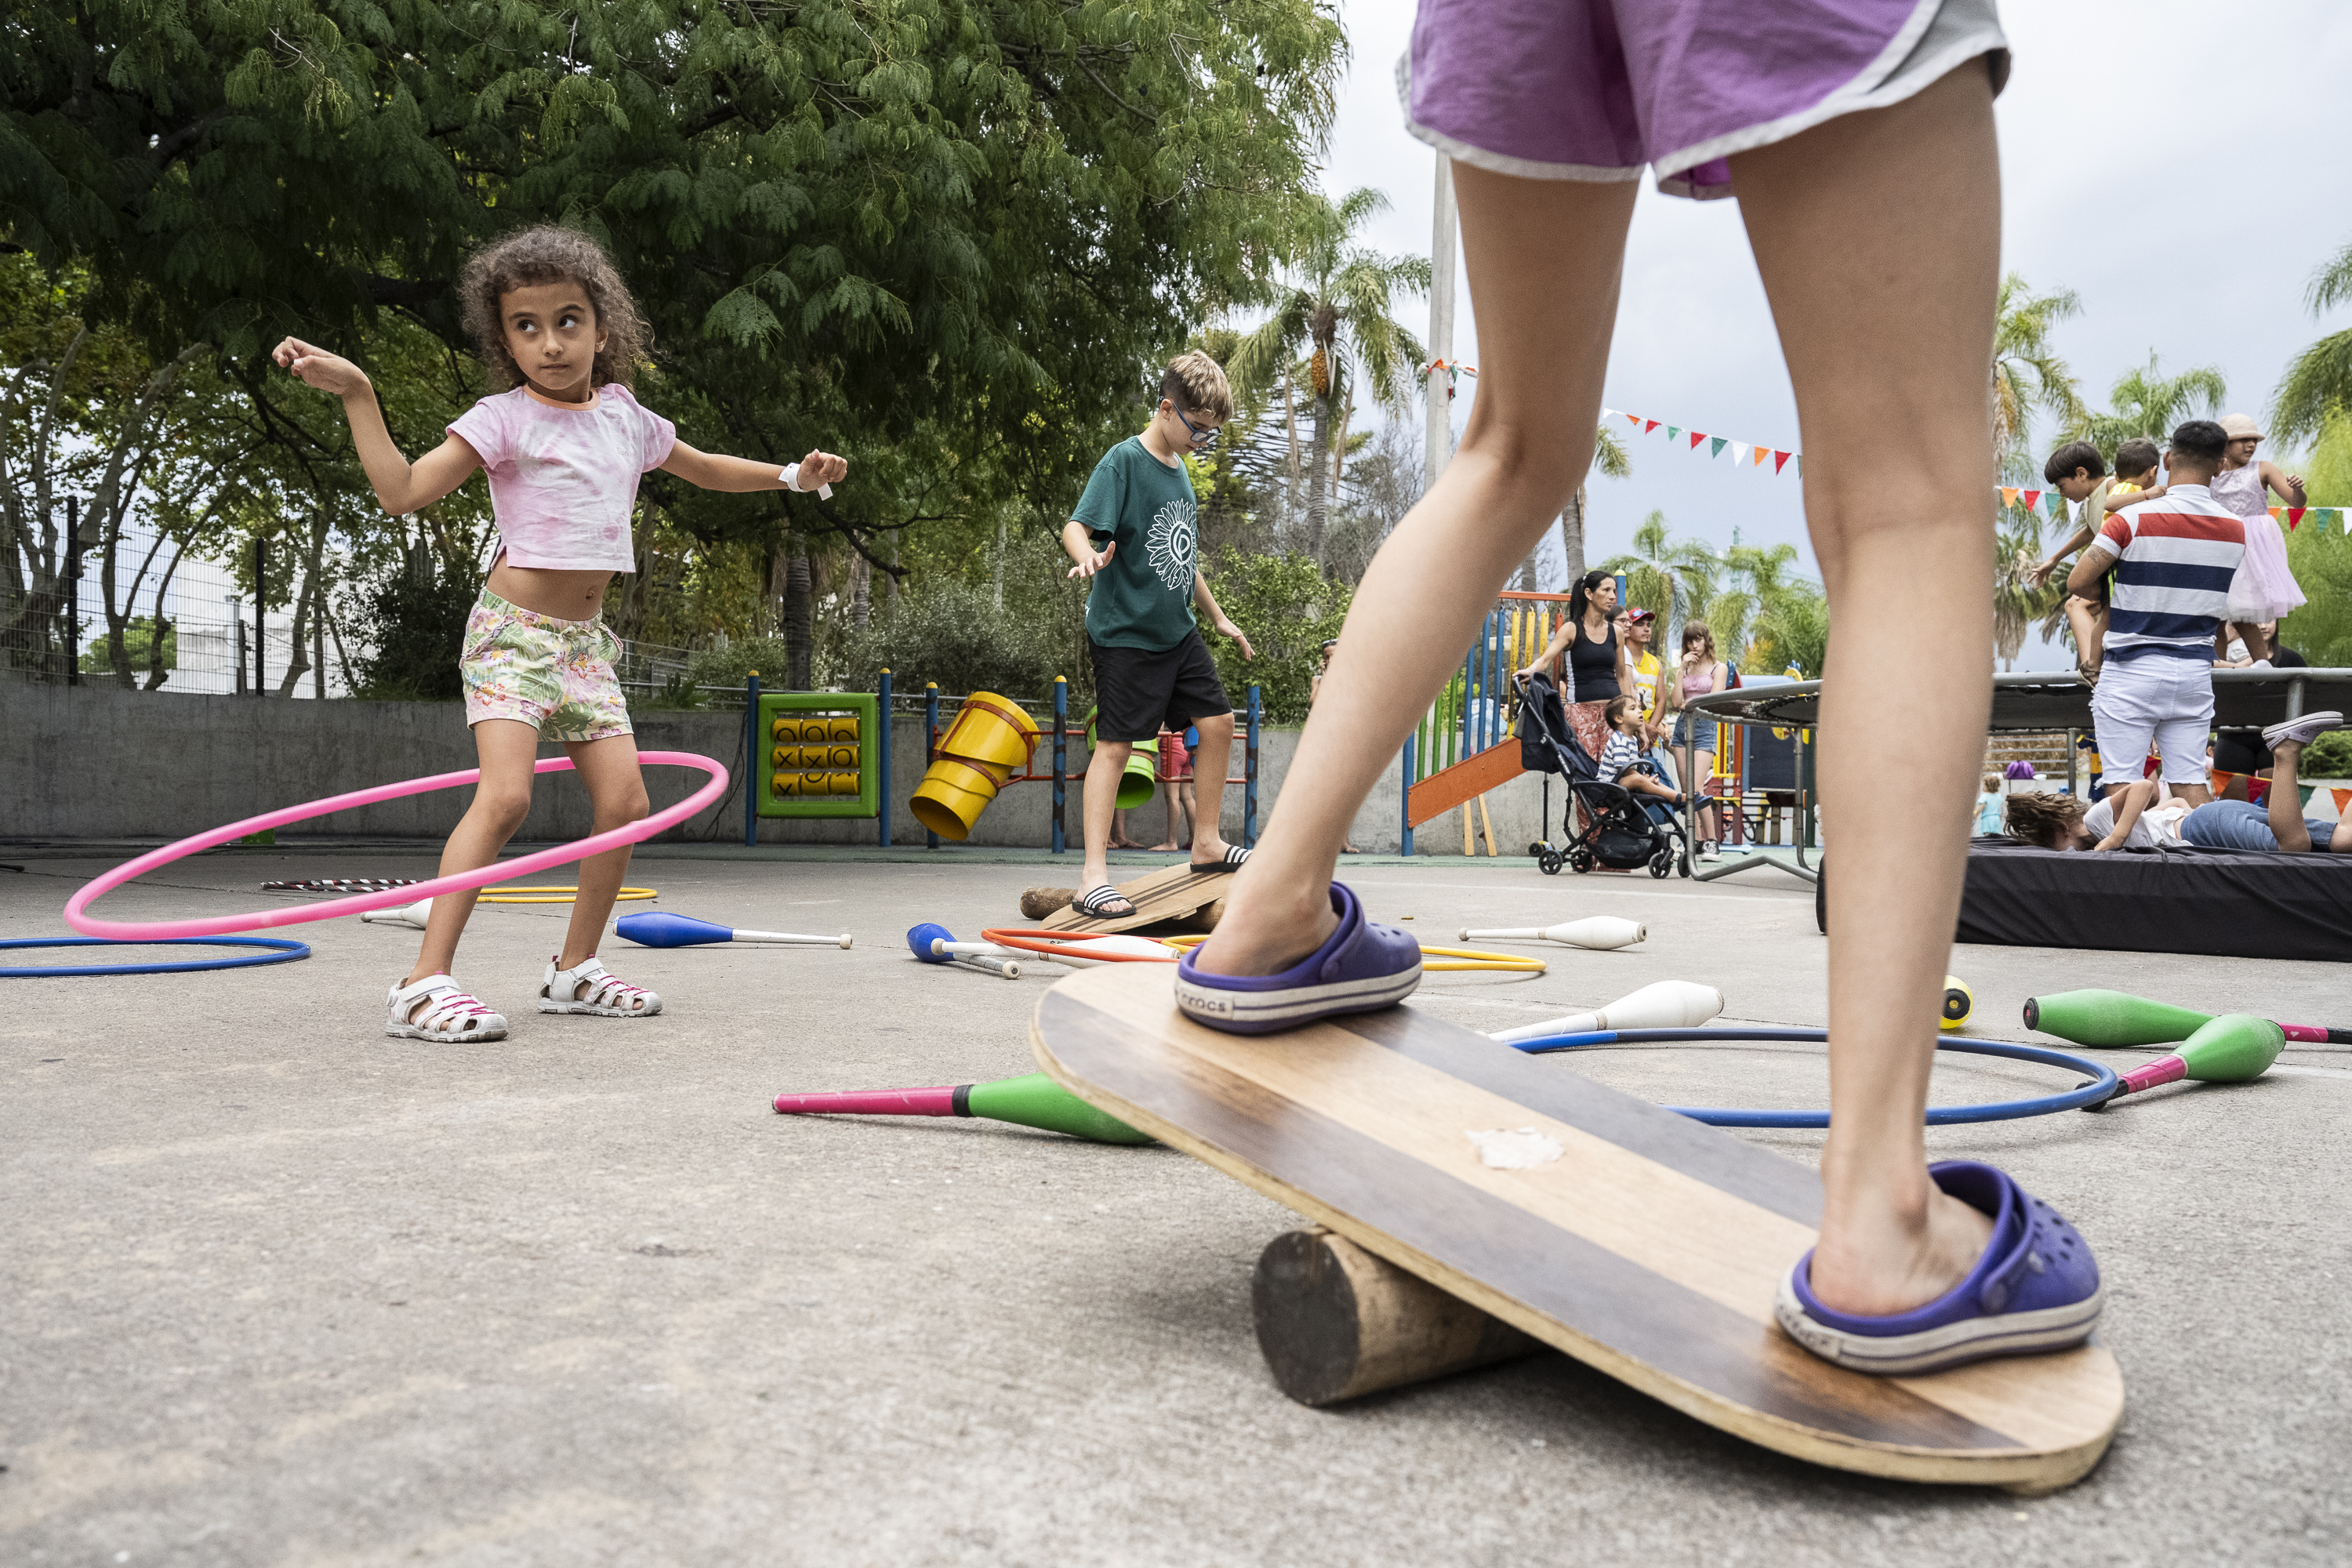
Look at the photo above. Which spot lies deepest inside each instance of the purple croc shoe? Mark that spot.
(1362, 968)
(2036, 1289)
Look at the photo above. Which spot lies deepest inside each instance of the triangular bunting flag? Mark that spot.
(1780, 460)
(2343, 798)
(1739, 453)
(2056, 503)
(1697, 436)
(1762, 453)
(2274, 512)
(2294, 515)
(1608, 413)
(2220, 782)
(1672, 431)
(1632, 419)
(1651, 425)
(1716, 450)
(2009, 495)
(2032, 499)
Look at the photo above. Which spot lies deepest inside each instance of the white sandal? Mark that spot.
(447, 1014)
(588, 988)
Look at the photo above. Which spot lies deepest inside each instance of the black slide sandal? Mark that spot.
(1236, 858)
(1096, 904)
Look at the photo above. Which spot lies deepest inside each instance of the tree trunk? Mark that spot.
(1571, 534)
(306, 609)
(861, 592)
(1319, 474)
(1290, 427)
(798, 613)
(997, 585)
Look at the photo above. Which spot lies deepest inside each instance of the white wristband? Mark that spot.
(792, 482)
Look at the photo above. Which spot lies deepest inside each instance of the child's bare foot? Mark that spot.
(1877, 1259)
(1171, 847)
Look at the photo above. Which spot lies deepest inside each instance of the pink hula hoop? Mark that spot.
(298, 914)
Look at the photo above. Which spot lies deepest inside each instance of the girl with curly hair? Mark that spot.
(563, 446)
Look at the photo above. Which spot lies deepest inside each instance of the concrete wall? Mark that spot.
(93, 763)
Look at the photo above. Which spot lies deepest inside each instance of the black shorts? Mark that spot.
(2239, 752)
(1139, 692)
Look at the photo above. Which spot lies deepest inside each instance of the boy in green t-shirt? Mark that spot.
(1151, 670)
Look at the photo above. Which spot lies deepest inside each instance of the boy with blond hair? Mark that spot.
(1136, 535)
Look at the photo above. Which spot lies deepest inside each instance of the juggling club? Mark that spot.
(660, 928)
(1034, 1100)
(413, 915)
(1593, 930)
(2229, 1048)
(2116, 1018)
(1661, 1004)
(934, 943)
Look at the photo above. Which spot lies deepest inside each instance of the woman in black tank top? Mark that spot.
(1596, 659)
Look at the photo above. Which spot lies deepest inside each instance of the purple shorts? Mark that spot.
(1593, 90)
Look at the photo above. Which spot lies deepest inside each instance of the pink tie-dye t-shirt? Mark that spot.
(563, 481)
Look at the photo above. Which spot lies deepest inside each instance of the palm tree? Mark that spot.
(1763, 578)
(1665, 574)
(2319, 385)
(2017, 604)
(1609, 460)
(2150, 403)
(2027, 373)
(1337, 313)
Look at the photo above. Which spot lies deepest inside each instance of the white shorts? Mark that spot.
(2154, 699)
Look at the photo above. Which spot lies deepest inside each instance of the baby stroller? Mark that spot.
(1621, 830)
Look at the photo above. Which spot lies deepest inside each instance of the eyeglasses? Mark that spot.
(1199, 437)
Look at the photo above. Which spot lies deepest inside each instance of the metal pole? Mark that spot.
(930, 744)
(881, 745)
(754, 759)
(73, 591)
(1249, 776)
(1404, 798)
(1437, 390)
(237, 610)
(1061, 761)
(260, 604)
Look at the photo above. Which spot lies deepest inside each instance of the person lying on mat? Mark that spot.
(2134, 817)
(2141, 815)
(1621, 762)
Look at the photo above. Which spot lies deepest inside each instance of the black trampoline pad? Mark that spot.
(2226, 902)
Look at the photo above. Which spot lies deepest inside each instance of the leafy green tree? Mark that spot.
(1792, 629)
(2318, 386)
(1287, 609)
(1340, 313)
(2150, 404)
(2027, 373)
(1664, 574)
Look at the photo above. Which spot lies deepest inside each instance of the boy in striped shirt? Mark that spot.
(2173, 560)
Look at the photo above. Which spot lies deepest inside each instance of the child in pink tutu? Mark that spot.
(2265, 589)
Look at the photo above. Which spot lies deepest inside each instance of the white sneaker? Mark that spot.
(445, 1014)
(1706, 850)
(2307, 728)
(588, 988)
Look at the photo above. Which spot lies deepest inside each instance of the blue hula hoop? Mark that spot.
(280, 951)
(2103, 1082)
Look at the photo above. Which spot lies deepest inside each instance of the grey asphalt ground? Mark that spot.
(277, 1289)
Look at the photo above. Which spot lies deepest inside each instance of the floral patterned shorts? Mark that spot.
(555, 676)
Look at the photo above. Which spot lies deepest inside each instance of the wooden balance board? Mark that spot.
(1649, 1249)
(1169, 894)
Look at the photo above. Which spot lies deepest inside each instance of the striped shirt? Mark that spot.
(1620, 753)
(2171, 590)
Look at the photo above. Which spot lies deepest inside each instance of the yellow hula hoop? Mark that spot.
(1448, 957)
(504, 895)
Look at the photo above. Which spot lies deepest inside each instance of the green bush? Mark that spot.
(951, 632)
(137, 645)
(410, 625)
(1287, 609)
(733, 665)
(2329, 757)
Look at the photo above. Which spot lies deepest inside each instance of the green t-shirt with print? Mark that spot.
(1143, 597)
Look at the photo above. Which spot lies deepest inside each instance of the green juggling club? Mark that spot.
(1031, 1100)
(2115, 1018)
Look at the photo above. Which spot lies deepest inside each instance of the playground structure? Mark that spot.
(1465, 746)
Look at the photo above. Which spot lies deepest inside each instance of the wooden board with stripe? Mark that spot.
(1167, 894)
(1649, 1249)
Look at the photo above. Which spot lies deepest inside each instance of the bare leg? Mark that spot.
(1211, 764)
(1710, 824)
(2089, 622)
(2286, 797)
(1878, 238)
(1102, 799)
(617, 793)
(508, 748)
(1528, 442)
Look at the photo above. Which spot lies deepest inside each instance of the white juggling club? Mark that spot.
(1593, 930)
(1661, 1005)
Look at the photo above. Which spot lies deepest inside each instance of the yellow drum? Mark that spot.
(990, 739)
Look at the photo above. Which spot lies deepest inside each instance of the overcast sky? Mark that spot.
(2215, 132)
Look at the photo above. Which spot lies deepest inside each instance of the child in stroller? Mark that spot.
(1628, 820)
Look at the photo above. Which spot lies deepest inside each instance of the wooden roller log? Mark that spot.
(1336, 1322)
(1036, 903)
